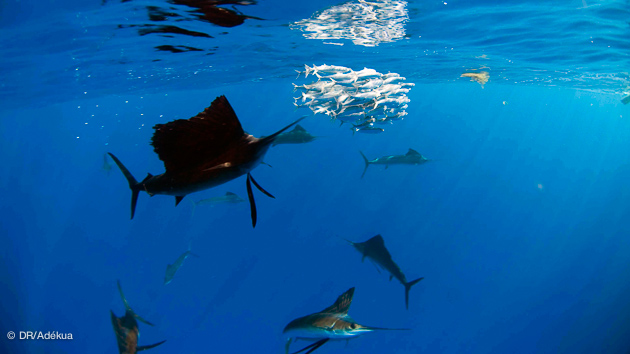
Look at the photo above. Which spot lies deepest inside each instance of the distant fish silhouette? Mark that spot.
(298, 135)
(228, 198)
(411, 158)
(375, 250)
(126, 329)
(171, 269)
(331, 323)
(203, 152)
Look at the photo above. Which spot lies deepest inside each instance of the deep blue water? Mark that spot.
(520, 224)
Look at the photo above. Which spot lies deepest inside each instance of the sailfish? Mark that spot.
(332, 322)
(412, 157)
(375, 250)
(126, 329)
(202, 152)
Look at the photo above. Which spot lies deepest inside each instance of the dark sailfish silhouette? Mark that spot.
(202, 152)
(375, 250)
(412, 157)
(126, 329)
(331, 323)
(298, 135)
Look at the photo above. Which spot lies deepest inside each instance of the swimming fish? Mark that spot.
(375, 250)
(331, 323)
(126, 329)
(412, 157)
(171, 269)
(202, 152)
(298, 135)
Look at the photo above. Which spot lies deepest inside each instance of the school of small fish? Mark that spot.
(367, 99)
(366, 23)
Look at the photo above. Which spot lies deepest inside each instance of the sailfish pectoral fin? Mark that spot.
(313, 347)
(260, 188)
(252, 202)
(287, 345)
(145, 347)
(250, 195)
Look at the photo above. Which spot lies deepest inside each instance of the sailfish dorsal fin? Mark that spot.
(342, 304)
(376, 241)
(184, 143)
(412, 152)
(298, 128)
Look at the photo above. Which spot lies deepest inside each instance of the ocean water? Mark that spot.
(519, 223)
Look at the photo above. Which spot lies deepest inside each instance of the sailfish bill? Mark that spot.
(202, 152)
(332, 322)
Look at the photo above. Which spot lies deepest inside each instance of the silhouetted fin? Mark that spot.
(408, 287)
(412, 152)
(252, 202)
(183, 143)
(367, 163)
(313, 346)
(298, 128)
(230, 193)
(178, 199)
(133, 184)
(145, 347)
(261, 188)
(342, 304)
(391, 277)
(376, 241)
(128, 308)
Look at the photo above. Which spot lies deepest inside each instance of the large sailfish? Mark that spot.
(202, 152)
(332, 322)
(374, 249)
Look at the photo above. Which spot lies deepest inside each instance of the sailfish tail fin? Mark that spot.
(133, 184)
(408, 286)
(367, 163)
